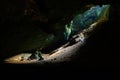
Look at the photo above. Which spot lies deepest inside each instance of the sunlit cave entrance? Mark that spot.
(47, 32)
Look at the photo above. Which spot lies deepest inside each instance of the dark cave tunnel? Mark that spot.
(99, 50)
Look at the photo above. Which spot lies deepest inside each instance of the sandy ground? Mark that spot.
(63, 54)
(17, 59)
